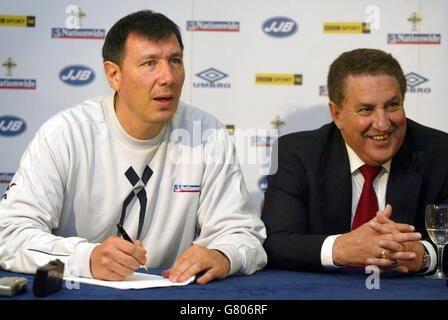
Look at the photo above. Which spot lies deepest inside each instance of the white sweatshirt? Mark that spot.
(68, 194)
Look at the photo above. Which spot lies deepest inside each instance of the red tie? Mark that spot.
(368, 203)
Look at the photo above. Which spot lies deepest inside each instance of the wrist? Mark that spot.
(338, 251)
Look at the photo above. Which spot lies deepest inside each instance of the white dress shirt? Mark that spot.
(380, 186)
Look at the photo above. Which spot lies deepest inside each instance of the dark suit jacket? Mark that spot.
(310, 195)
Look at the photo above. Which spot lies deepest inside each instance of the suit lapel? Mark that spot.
(404, 185)
(335, 186)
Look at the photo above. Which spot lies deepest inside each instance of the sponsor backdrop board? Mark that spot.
(259, 66)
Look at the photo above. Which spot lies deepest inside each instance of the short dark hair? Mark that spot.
(146, 23)
(362, 62)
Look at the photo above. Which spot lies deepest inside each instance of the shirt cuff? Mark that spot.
(79, 263)
(432, 256)
(233, 255)
(326, 254)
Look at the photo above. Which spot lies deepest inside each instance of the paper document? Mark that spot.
(134, 281)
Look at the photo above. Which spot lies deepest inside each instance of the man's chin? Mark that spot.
(164, 116)
(380, 159)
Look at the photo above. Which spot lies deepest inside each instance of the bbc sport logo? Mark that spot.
(17, 21)
(346, 27)
(278, 79)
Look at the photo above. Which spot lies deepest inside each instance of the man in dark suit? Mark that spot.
(311, 204)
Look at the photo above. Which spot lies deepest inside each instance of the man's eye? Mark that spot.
(149, 63)
(365, 110)
(394, 106)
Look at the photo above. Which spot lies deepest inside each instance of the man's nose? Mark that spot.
(165, 74)
(381, 120)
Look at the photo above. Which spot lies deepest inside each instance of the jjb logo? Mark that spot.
(77, 75)
(279, 27)
(11, 126)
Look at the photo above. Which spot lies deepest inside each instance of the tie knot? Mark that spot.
(369, 172)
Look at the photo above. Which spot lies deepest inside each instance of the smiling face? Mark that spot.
(149, 84)
(371, 118)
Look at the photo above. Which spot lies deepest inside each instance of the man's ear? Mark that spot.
(113, 74)
(336, 113)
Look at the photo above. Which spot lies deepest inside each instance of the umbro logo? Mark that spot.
(211, 75)
(413, 79)
(414, 82)
(211, 79)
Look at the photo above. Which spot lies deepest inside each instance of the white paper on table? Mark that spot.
(134, 281)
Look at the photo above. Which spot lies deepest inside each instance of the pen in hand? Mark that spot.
(126, 237)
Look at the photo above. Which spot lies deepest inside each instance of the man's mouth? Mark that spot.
(380, 137)
(164, 100)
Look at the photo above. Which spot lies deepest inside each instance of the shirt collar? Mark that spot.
(356, 162)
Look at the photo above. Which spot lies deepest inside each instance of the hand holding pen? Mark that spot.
(115, 259)
(126, 237)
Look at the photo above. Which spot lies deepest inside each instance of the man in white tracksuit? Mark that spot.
(166, 171)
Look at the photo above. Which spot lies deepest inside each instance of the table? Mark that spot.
(277, 289)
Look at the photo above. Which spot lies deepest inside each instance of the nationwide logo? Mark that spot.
(346, 27)
(63, 33)
(17, 21)
(278, 79)
(415, 80)
(186, 188)
(11, 126)
(77, 75)
(323, 91)
(73, 28)
(9, 83)
(414, 38)
(224, 26)
(211, 76)
(279, 27)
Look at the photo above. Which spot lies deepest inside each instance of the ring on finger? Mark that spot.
(383, 254)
